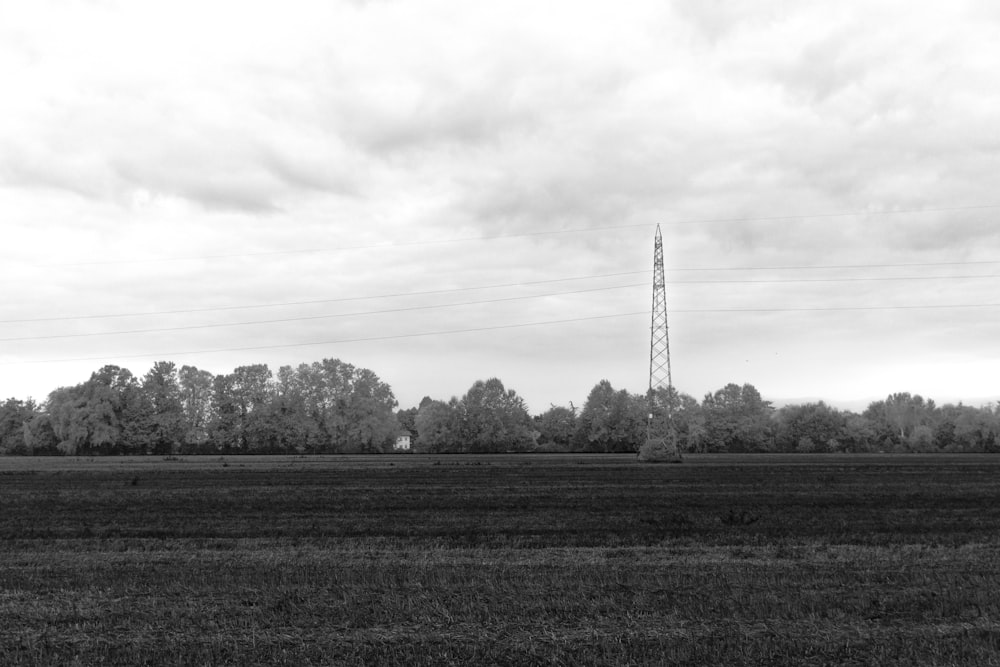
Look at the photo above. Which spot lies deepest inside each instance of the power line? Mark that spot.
(836, 266)
(312, 317)
(943, 306)
(556, 280)
(844, 214)
(333, 342)
(318, 301)
(825, 280)
(554, 232)
(498, 327)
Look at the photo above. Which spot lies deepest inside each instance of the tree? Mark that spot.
(96, 417)
(594, 427)
(895, 419)
(196, 405)
(963, 428)
(921, 439)
(163, 419)
(859, 434)
(680, 413)
(14, 414)
(227, 416)
(737, 419)
(329, 390)
(369, 413)
(240, 401)
(63, 406)
(812, 427)
(338, 407)
(556, 427)
(494, 419)
(612, 421)
(438, 424)
(294, 428)
(39, 437)
(327, 406)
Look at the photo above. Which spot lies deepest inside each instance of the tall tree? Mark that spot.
(556, 427)
(495, 419)
(683, 414)
(811, 427)
(64, 406)
(737, 419)
(439, 427)
(227, 417)
(240, 401)
(369, 413)
(163, 408)
(295, 428)
(343, 408)
(196, 405)
(859, 434)
(963, 428)
(612, 421)
(89, 418)
(595, 425)
(897, 417)
(39, 437)
(14, 414)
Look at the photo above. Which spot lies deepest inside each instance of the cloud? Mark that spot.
(217, 155)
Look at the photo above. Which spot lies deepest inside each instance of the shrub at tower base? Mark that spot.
(660, 450)
(662, 444)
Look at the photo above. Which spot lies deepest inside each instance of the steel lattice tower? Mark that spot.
(661, 435)
(659, 342)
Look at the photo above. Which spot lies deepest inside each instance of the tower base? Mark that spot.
(660, 450)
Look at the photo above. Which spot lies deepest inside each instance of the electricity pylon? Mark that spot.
(661, 436)
(659, 341)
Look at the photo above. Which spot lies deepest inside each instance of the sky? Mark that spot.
(445, 191)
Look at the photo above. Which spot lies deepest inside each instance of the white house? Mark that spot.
(402, 441)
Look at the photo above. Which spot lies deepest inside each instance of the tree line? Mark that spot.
(325, 407)
(331, 406)
(737, 419)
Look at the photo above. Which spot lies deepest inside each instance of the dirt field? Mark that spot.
(500, 560)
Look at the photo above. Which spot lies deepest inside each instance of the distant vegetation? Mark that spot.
(334, 407)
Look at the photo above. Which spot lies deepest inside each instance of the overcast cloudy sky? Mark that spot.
(444, 191)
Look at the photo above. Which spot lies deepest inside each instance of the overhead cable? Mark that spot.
(314, 317)
(534, 234)
(162, 355)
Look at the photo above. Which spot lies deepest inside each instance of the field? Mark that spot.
(565, 560)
